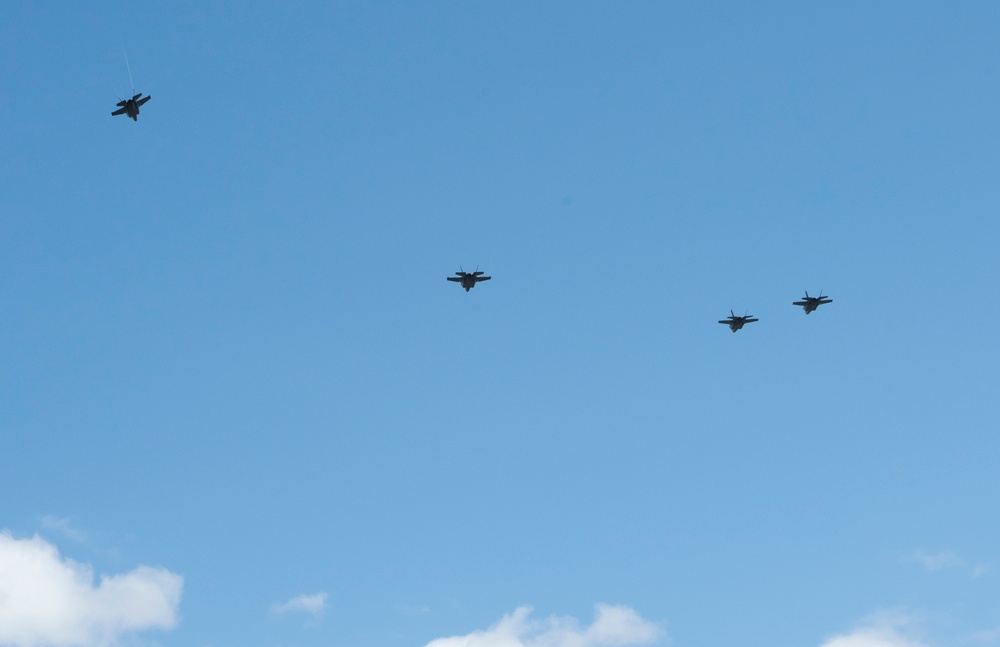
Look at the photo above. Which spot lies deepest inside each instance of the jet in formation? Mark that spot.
(735, 323)
(811, 303)
(130, 107)
(469, 279)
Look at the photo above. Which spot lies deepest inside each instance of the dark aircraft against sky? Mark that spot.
(130, 107)
(469, 279)
(811, 303)
(735, 323)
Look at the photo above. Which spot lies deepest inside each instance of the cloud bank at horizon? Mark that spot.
(613, 626)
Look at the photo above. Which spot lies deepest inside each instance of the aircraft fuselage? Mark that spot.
(811, 303)
(130, 107)
(468, 280)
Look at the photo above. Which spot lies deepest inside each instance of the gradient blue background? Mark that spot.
(227, 346)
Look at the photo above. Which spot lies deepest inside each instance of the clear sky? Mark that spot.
(241, 406)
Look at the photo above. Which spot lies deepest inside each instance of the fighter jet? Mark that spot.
(469, 279)
(811, 303)
(131, 107)
(735, 323)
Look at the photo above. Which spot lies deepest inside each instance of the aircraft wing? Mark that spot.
(118, 112)
(826, 301)
(799, 303)
(142, 101)
(455, 279)
(483, 278)
(751, 320)
(121, 103)
(726, 322)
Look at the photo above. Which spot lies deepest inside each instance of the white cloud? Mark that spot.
(413, 610)
(313, 604)
(988, 637)
(48, 600)
(885, 630)
(981, 569)
(64, 526)
(937, 561)
(614, 626)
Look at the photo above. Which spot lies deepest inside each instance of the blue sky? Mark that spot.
(233, 375)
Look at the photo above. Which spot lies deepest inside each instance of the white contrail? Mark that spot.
(129, 68)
